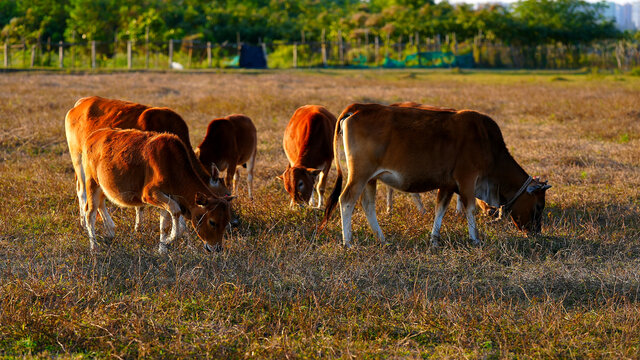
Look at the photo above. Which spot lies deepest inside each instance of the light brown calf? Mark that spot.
(94, 112)
(417, 150)
(307, 144)
(133, 168)
(229, 142)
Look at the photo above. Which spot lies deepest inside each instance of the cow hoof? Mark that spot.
(435, 241)
(163, 249)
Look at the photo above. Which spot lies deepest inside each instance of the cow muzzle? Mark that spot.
(213, 248)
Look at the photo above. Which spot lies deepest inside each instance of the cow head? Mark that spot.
(526, 211)
(299, 181)
(210, 218)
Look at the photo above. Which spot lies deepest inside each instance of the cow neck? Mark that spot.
(511, 179)
(187, 199)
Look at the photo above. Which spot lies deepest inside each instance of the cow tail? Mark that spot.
(337, 188)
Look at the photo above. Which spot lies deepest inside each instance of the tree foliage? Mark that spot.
(527, 22)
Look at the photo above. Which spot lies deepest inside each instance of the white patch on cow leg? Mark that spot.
(165, 223)
(250, 165)
(90, 215)
(459, 205)
(369, 207)
(109, 226)
(236, 179)
(183, 226)
(292, 204)
(347, 201)
(389, 199)
(471, 221)
(443, 200)
(172, 209)
(81, 191)
(139, 217)
(346, 210)
(418, 202)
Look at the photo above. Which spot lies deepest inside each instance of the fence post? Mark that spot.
(264, 51)
(60, 54)
(386, 46)
(376, 47)
(190, 45)
(170, 53)
(146, 48)
(340, 48)
(33, 56)
(73, 49)
(238, 43)
(129, 58)
(6, 53)
(295, 55)
(324, 49)
(400, 48)
(93, 54)
(209, 62)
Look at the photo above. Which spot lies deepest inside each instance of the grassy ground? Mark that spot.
(281, 290)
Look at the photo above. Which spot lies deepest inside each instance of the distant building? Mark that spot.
(635, 14)
(623, 17)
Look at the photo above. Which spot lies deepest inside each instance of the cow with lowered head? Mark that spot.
(417, 150)
(307, 144)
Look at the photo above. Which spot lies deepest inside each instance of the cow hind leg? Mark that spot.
(322, 183)
(369, 207)
(236, 179)
(347, 200)
(109, 225)
(90, 211)
(442, 201)
(81, 192)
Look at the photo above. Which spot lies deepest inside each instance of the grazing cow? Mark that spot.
(229, 142)
(307, 144)
(416, 197)
(416, 150)
(133, 168)
(92, 113)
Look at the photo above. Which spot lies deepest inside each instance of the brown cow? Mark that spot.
(416, 150)
(416, 197)
(136, 168)
(229, 142)
(307, 144)
(92, 113)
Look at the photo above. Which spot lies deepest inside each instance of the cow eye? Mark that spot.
(212, 223)
(300, 185)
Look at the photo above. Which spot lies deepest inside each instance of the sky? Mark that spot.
(510, 1)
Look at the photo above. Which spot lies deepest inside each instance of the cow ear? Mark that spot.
(215, 173)
(314, 172)
(201, 199)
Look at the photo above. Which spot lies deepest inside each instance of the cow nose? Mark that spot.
(213, 248)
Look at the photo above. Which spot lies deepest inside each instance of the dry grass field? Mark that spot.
(279, 289)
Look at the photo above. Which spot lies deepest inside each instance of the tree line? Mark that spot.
(524, 23)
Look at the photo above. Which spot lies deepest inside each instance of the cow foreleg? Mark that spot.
(236, 179)
(469, 202)
(418, 202)
(442, 202)
(139, 217)
(322, 184)
(230, 179)
(159, 199)
(369, 207)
